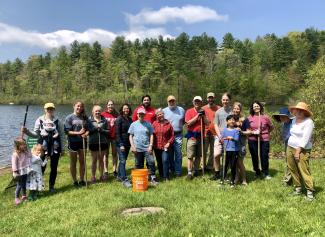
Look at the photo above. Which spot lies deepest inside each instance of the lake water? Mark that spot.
(12, 118)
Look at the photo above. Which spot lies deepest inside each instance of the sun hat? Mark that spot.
(302, 106)
(211, 94)
(49, 105)
(197, 98)
(282, 112)
(141, 111)
(170, 97)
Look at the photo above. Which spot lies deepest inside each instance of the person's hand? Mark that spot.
(15, 174)
(167, 145)
(150, 149)
(84, 135)
(23, 129)
(201, 113)
(122, 148)
(134, 150)
(297, 154)
(256, 132)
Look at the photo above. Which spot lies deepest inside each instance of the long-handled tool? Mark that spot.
(85, 157)
(202, 146)
(13, 181)
(259, 137)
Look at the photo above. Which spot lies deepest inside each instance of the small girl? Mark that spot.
(35, 180)
(230, 135)
(20, 162)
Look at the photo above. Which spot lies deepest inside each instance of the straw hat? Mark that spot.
(302, 106)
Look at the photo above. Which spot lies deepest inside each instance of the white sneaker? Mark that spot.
(268, 177)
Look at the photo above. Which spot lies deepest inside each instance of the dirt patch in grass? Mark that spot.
(142, 211)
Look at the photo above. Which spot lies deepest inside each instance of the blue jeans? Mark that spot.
(123, 156)
(175, 161)
(21, 185)
(162, 158)
(139, 161)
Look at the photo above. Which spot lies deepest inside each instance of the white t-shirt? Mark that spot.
(301, 134)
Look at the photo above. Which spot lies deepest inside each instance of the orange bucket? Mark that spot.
(139, 180)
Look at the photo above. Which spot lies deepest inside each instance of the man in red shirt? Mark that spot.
(150, 111)
(193, 118)
(210, 132)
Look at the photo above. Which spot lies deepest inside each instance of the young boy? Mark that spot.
(285, 118)
(230, 135)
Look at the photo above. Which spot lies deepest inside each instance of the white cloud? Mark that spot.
(137, 28)
(189, 14)
(11, 34)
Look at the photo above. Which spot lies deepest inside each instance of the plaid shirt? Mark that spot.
(163, 134)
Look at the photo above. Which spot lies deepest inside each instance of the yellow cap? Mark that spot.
(210, 94)
(170, 97)
(49, 105)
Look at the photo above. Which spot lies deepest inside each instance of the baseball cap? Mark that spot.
(197, 98)
(49, 105)
(210, 94)
(141, 111)
(170, 97)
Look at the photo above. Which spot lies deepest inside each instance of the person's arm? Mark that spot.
(133, 148)
(36, 132)
(118, 132)
(171, 136)
(151, 144)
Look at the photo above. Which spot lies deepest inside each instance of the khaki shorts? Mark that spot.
(217, 151)
(193, 148)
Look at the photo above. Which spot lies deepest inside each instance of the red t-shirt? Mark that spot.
(110, 118)
(150, 114)
(210, 114)
(191, 113)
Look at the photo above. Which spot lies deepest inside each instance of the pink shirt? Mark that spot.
(20, 162)
(266, 127)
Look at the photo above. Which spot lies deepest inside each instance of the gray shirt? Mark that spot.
(220, 118)
(141, 132)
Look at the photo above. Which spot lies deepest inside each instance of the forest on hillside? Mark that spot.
(271, 69)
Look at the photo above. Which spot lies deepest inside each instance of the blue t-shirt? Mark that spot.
(141, 132)
(286, 131)
(231, 145)
(175, 117)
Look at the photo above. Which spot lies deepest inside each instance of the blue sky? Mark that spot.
(38, 26)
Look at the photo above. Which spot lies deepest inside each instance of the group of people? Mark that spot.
(216, 139)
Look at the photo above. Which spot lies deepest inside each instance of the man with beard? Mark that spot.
(175, 115)
(210, 132)
(150, 115)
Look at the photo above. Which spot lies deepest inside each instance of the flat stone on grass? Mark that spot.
(142, 211)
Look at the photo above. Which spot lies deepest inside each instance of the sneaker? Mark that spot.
(310, 196)
(115, 174)
(104, 178)
(23, 198)
(76, 184)
(196, 173)
(126, 183)
(178, 175)
(93, 180)
(216, 176)
(189, 177)
(154, 182)
(30, 197)
(232, 184)
(296, 192)
(17, 201)
(82, 183)
(267, 177)
(244, 183)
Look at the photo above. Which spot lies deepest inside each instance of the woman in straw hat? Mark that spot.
(299, 148)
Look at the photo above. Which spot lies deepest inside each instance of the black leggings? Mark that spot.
(54, 162)
(231, 159)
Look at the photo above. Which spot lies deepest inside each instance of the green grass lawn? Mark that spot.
(196, 208)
